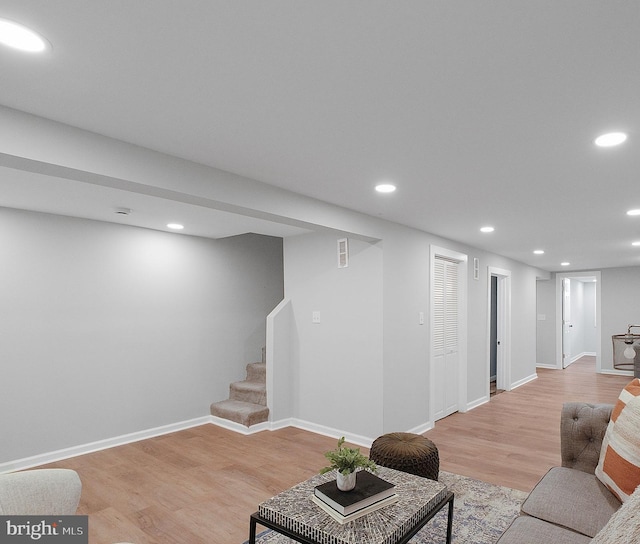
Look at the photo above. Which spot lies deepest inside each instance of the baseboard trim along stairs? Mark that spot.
(247, 402)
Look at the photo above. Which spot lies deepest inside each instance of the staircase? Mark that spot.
(247, 403)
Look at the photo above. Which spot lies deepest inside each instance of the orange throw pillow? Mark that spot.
(619, 464)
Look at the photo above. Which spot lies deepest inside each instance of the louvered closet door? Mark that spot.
(445, 337)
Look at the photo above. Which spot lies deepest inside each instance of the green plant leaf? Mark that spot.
(347, 460)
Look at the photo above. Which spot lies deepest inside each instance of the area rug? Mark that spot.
(481, 513)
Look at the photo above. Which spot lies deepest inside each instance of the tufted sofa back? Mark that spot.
(582, 428)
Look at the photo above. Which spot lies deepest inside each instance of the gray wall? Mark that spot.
(406, 343)
(339, 360)
(620, 306)
(107, 329)
(369, 329)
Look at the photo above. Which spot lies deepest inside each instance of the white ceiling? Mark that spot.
(481, 112)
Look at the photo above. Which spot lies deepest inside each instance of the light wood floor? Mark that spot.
(200, 485)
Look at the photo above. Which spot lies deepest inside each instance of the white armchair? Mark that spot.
(42, 492)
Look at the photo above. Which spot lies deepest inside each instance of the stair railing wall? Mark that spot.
(280, 367)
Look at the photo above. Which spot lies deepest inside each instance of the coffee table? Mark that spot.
(294, 514)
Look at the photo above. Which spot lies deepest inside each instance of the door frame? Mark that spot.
(462, 260)
(560, 276)
(503, 356)
(566, 322)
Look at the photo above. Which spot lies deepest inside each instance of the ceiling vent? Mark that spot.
(343, 253)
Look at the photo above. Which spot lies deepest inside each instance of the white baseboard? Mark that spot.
(282, 423)
(67, 453)
(477, 402)
(550, 367)
(359, 440)
(581, 355)
(421, 429)
(237, 427)
(576, 357)
(59, 455)
(523, 381)
(615, 372)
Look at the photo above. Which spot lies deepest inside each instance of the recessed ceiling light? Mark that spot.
(487, 229)
(20, 37)
(539, 251)
(634, 212)
(610, 139)
(385, 188)
(175, 226)
(565, 264)
(635, 243)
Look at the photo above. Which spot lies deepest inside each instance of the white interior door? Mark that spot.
(503, 326)
(445, 355)
(566, 322)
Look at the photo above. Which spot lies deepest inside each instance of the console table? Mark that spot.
(294, 514)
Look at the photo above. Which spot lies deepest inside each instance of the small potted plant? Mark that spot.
(346, 461)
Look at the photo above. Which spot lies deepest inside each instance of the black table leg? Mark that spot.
(252, 530)
(450, 520)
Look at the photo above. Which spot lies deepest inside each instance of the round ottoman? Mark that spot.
(407, 452)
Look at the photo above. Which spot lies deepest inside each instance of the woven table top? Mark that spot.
(295, 510)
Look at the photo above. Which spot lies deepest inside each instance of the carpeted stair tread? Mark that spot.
(256, 372)
(245, 413)
(247, 391)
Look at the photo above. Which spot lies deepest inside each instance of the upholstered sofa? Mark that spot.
(40, 492)
(569, 505)
(50, 492)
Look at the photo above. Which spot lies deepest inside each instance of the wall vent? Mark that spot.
(343, 253)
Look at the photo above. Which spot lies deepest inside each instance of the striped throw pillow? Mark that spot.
(619, 464)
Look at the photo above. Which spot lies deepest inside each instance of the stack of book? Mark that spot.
(370, 494)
